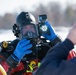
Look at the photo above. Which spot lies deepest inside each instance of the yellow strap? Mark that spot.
(39, 64)
(2, 70)
(31, 67)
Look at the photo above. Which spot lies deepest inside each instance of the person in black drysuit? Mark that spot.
(21, 56)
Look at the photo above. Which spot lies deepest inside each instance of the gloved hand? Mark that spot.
(22, 49)
(52, 35)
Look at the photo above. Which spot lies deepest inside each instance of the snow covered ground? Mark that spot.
(8, 34)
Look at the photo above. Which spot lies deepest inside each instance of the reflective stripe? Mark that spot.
(2, 70)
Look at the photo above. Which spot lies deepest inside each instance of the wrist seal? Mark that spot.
(12, 62)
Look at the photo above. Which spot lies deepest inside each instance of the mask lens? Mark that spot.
(29, 31)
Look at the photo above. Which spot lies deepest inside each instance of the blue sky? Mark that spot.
(16, 5)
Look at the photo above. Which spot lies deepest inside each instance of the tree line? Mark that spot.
(55, 14)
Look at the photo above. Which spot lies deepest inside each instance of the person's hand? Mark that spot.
(22, 49)
(72, 34)
(52, 35)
